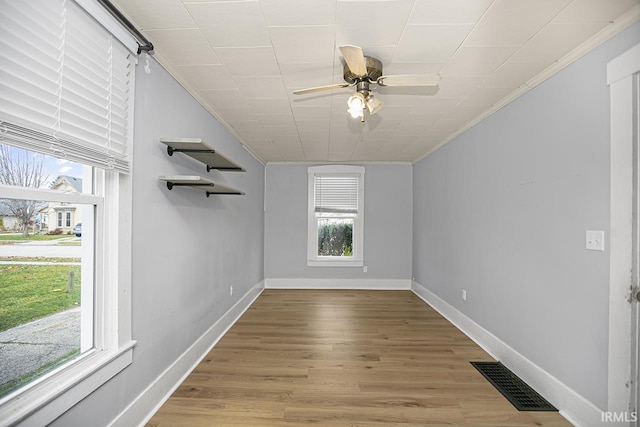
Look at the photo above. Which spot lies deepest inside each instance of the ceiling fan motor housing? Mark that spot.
(374, 71)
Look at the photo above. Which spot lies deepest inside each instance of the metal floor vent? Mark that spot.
(523, 397)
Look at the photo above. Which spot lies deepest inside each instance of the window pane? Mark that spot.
(46, 288)
(46, 268)
(335, 236)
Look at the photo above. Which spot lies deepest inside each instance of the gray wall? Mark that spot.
(501, 211)
(387, 224)
(187, 249)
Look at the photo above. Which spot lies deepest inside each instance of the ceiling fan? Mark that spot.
(363, 71)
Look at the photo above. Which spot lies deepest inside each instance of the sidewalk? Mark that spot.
(25, 348)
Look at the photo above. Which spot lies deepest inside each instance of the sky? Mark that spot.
(51, 167)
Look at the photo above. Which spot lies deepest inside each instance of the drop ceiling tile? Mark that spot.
(254, 137)
(393, 98)
(303, 44)
(394, 112)
(554, 41)
(446, 126)
(209, 77)
(509, 34)
(416, 124)
(311, 113)
(585, 11)
(464, 114)
(371, 23)
(377, 135)
(247, 125)
(287, 139)
(456, 87)
(430, 43)
(376, 123)
(155, 15)
(314, 141)
(522, 12)
(276, 131)
(345, 126)
(224, 98)
(269, 105)
(286, 13)
(231, 24)
(231, 114)
(171, 43)
(290, 150)
(307, 75)
(277, 119)
(249, 61)
(435, 105)
(261, 87)
(513, 74)
(448, 11)
(313, 125)
(477, 61)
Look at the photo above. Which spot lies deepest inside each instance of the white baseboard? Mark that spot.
(370, 284)
(155, 395)
(572, 406)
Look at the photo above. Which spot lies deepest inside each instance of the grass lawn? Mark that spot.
(7, 239)
(38, 259)
(29, 292)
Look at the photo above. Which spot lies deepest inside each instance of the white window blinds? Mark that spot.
(66, 85)
(336, 193)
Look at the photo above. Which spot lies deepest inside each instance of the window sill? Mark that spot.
(46, 400)
(335, 263)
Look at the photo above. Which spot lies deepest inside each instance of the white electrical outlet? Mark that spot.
(364, 269)
(464, 294)
(231, 290)
(595, 240)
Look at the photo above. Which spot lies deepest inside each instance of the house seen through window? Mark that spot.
(46, 271)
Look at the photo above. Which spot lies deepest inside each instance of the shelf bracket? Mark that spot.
(170, 185)
(226, 194)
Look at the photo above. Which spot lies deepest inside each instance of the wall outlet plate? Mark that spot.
(595, 240)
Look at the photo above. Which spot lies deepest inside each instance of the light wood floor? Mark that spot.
(342, 358)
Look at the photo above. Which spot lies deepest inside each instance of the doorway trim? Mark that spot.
(621, 73)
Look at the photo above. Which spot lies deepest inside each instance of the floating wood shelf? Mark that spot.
(201, 151)
(199, 183)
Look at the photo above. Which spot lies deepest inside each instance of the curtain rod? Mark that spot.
(143, 44)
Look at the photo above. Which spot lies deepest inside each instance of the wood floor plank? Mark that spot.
(342, 358)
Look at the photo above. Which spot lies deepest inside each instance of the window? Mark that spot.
(336, 216)
(67, 93)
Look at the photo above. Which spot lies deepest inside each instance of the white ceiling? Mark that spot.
(242, 60)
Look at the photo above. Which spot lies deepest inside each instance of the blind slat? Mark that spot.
(336, 193)
(63, 81)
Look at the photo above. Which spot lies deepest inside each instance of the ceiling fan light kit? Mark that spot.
(363, 71)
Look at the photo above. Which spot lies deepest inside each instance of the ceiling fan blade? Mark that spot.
(354, 58)
(320, 88)
(410, 80)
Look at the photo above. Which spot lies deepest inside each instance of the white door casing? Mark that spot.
(622, 78)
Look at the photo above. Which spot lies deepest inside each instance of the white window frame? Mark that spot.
(48, 397)
(356, 259)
